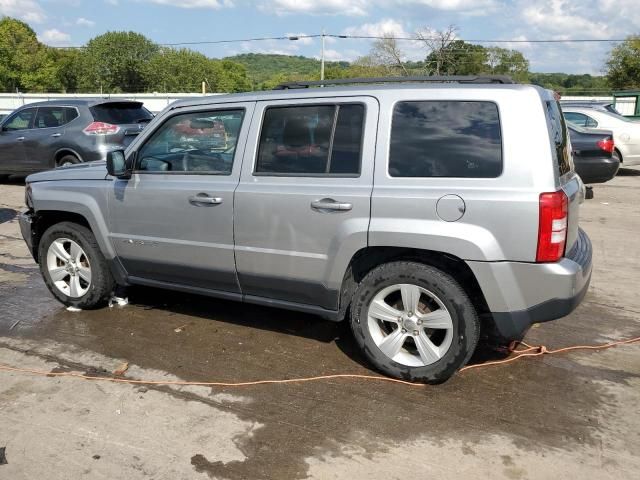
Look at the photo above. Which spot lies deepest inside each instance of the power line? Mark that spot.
(373, 37)
(416, 39)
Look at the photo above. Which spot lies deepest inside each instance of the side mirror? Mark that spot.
(117, 164)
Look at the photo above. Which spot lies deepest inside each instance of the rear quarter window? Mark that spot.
(445, 139)
(120, 113)
(558, 133)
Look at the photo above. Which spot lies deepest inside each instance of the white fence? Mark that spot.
(595, 99)
(153, 101)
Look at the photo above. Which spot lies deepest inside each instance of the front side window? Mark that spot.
(312, 140)
(20, 120)
(49, 117)
(445, 139)
(199, 142)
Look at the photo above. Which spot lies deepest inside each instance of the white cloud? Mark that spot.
(54, 37)
(563, 19)
(315, 7)
(387, 26)
(338, 55)
(214, 4)
(364, 7)
(455, 5)
(28, 10)
(85, 22)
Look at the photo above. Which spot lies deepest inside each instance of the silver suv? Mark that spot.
(423, 212)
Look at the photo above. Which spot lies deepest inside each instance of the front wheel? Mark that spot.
(414, 322)
(68, 160)
(73, 267)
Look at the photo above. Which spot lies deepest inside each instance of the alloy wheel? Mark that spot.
(69, 267)
(410, 325)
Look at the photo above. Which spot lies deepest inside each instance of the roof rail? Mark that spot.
(427, 79)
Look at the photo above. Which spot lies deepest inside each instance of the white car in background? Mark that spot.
(626, 132)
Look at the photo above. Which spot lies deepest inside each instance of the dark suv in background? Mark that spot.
(44, 135)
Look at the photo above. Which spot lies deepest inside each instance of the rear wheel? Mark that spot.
(616, 155)
(67, 160)
(73, 267)
(414, 322)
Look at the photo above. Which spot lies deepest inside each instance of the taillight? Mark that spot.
(606, 144)
(101, 128)
(552, 230)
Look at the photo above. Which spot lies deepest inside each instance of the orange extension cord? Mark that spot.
(528, 351)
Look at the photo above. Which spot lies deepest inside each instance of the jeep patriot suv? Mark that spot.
(420, 211)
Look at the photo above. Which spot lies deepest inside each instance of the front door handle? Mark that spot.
(204, 199)
(331, 204)
(20, 139)
(56, 135)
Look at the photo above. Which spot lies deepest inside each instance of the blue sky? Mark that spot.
(73, 22)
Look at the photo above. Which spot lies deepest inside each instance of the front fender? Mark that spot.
(87, 199)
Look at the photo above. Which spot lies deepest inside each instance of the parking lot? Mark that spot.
(565, 416)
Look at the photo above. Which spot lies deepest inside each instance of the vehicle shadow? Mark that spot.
(276, 320)
(628, 172)
(237, 313)
(7, 214)
(12, 180)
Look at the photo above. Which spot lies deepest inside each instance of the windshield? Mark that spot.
(615, 114)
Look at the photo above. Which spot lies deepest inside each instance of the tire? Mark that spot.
(90, 294)
(67, 160)
(452, 340)
(616, 155)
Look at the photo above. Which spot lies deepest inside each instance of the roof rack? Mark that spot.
(480, 79)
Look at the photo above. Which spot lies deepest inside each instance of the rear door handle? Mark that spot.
(204, 199)
(20, 139)
(56, 135)
(331, 204)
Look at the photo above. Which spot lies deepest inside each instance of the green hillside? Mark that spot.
(262, 67)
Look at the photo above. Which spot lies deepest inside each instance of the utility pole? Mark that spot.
(322, 58)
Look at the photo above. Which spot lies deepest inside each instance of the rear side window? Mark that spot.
(580, 119)
(311, 140)
(49, 117)
(558, 132)
(445, 139)
(121, 113)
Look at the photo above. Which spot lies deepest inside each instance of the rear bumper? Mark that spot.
(521, 294)
(597, 169)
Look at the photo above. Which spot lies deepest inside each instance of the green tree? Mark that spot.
(457, 58)
(623, 65)
(69, 69)
(183, 70)
(25, 63)
(116, 62)
(229, 76)
(503, 61)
